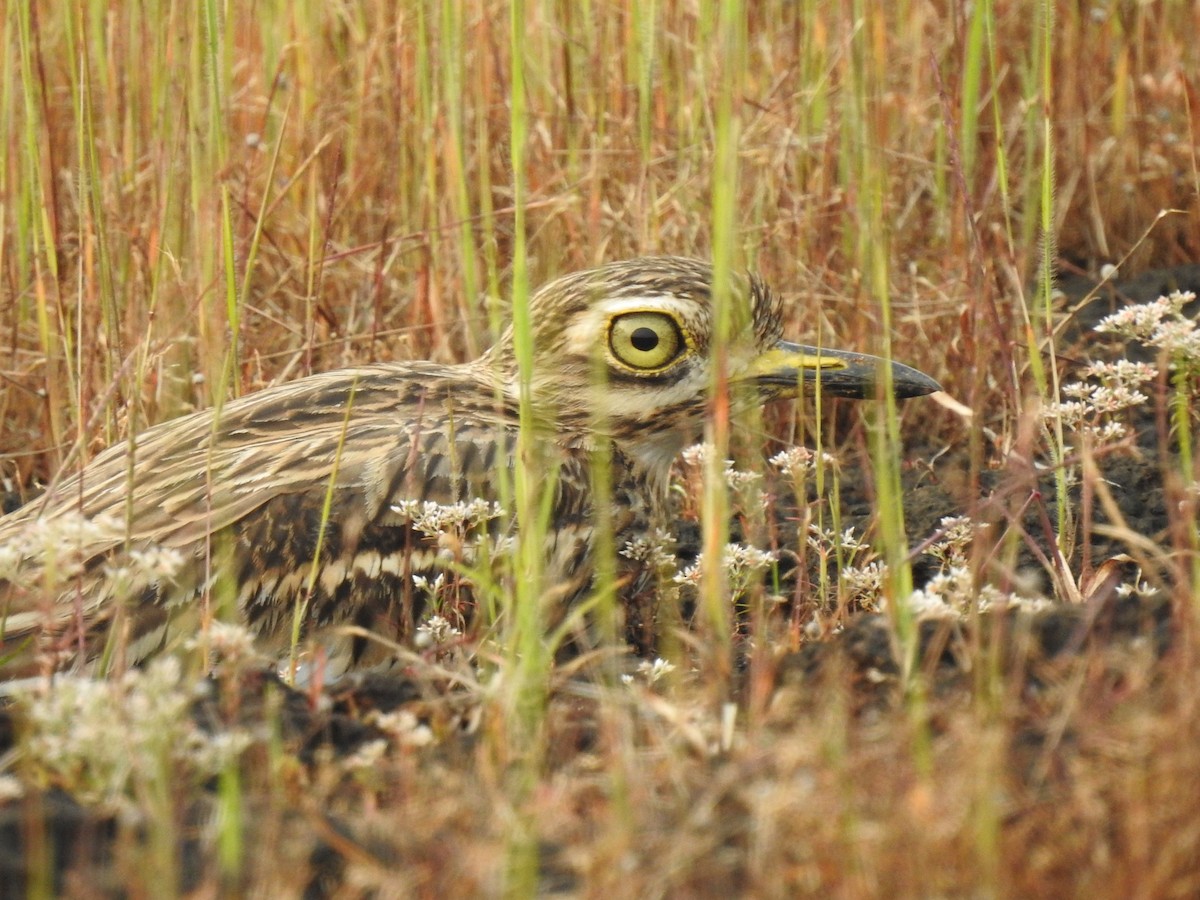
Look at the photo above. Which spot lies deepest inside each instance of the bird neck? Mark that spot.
(647, 452)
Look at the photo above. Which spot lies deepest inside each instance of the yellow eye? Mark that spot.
(645, 341)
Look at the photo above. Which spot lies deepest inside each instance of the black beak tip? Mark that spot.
(914, 384)
(862, 381)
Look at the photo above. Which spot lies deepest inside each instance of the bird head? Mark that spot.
(630, 349)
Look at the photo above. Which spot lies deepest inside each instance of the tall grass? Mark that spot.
(197, 202)
(411, 213)
(725, 33)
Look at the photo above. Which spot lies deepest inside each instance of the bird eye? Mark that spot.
(645, 341)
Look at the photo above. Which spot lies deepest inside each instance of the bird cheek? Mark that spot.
(613, 403)
(746, 366)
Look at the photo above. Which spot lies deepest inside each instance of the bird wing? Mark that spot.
(374, 435)
(190, 477)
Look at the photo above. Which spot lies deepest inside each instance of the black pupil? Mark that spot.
(644, 339)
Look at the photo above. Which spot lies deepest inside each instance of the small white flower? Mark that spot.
(1178, 338)
(105, 736)
(230, 642)
(925, 602)
(10, 789)
(798, 463)
(1143, 589)
(1123, 371)
(957, 534)
(435, 631)
(794, 461)
(1139, 321)
(654, 551)
(652, 671)
(157, 562)
(431, 587)
(404, 727)
(1070, 412)
(436, 519)
(739, 480)
(864, 582)
(824, 540)
(740, 562)
(698, 455)
(1107, 433)
(366, 757)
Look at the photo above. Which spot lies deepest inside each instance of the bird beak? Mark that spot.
(789, 368)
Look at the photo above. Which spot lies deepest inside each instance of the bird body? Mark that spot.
(298, 506)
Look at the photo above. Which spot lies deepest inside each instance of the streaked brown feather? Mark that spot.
(242, 491)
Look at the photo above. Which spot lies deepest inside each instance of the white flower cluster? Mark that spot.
(140, 567)
(437, 519)
(826, 540)
(436, 631)
(800, 463)
(953, 592)
(1090, 405)
(697, 455)
(741, 482)
(655, 550)
(1160, 324)
(864, 584)
(1143, 589)
(59, 545)
(1180, 340)
(104, 736)
(431, 586)
(52, 551)
(1122, 372)
(956, 535)
(651, 670)
(740, 562)
(231, 643)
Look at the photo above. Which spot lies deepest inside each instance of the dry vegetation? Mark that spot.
(199, 199)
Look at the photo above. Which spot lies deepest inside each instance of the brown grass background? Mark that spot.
(369, 143)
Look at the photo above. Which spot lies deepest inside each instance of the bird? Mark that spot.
(306, 506)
